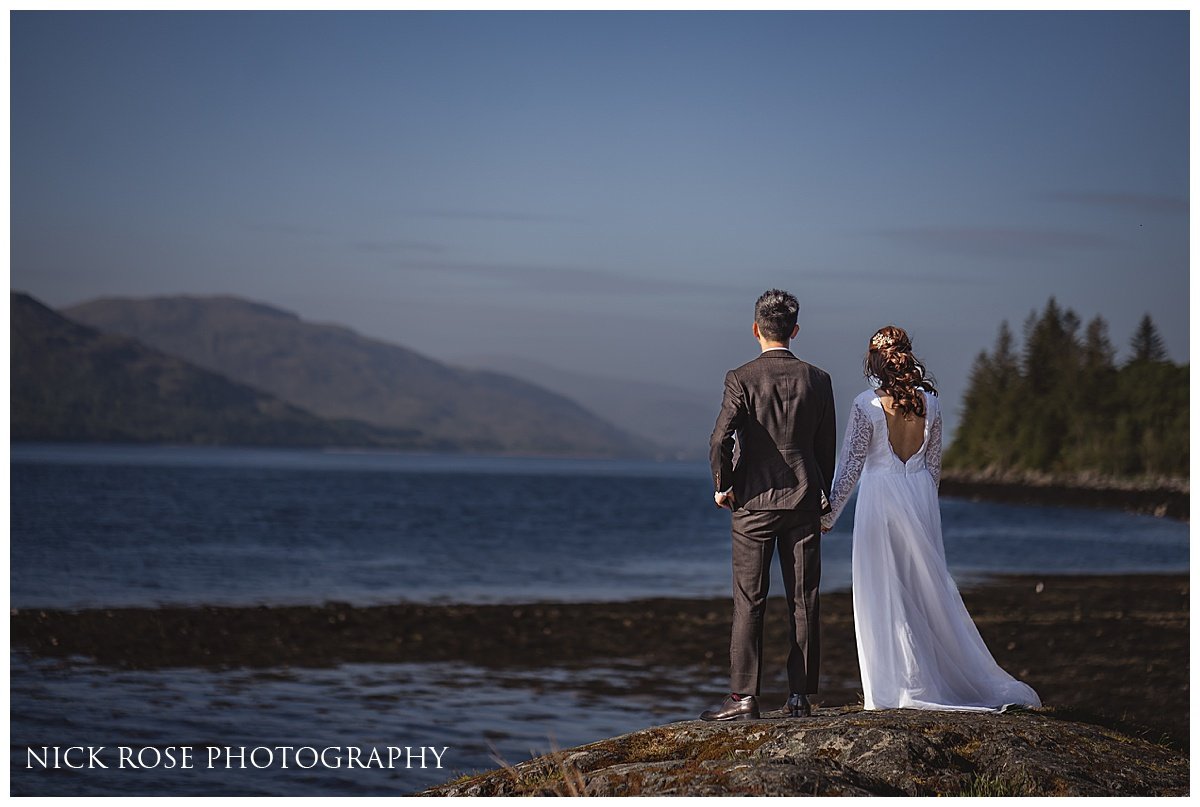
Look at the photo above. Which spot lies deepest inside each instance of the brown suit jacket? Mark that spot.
(781, 409)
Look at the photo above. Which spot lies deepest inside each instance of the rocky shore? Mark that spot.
(1164, 498)
(1109, 650)
(850, 752)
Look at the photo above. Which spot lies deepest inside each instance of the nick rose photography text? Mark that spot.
(238, 756)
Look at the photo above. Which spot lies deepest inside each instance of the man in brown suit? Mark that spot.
(781, 409)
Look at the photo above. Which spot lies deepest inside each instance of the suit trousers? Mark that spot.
(797, 536)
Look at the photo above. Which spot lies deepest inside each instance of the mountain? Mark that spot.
(71, 382)
(334, 372)
(678, 420)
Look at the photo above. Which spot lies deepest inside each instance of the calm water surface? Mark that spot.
(136, 525)
(111, 525)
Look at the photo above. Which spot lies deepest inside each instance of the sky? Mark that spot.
(609, 192)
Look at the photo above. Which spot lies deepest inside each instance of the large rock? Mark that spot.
(851, 752)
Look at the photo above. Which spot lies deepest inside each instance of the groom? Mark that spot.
(781, 409)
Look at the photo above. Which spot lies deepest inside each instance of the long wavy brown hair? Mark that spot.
(901, 374)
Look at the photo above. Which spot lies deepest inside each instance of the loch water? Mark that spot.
(123, 525)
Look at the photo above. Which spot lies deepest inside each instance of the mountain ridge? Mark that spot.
(678, 419)
(71, 382)
(333, 371)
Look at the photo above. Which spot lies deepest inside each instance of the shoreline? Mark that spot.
(965, 579)
(1114, 647)
(1168, 499)
(1162, 498)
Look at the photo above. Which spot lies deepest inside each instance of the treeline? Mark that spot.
(1063, 405)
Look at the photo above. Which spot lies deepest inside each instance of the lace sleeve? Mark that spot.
(933, 454)
(850, 463)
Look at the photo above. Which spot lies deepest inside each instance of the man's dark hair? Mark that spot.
(775, 312)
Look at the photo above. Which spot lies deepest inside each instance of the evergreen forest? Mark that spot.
(1061, 404)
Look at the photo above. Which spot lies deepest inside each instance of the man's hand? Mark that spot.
(724, 498)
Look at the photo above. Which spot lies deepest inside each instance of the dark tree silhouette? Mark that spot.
(1098, 351)
(1146, 344)
(1061, 404)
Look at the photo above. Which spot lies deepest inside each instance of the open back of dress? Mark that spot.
(906, 435)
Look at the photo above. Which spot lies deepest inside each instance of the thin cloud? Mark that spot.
(492, 215)
(1140, 203)
(285, 229)
(1003, 242)
(394, 246)
(560, 279)
(885, 275)
(377, 246)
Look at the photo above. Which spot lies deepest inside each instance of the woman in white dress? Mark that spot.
(917, 645)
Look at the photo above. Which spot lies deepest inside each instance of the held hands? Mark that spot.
(724, 498)
(826, 523)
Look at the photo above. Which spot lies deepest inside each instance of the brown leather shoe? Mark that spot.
(744, 709)
(798, 706)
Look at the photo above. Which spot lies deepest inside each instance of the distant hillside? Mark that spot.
(679, 420)
(335, 372)
(71, 382)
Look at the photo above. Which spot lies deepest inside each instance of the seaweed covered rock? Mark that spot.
(851, 752)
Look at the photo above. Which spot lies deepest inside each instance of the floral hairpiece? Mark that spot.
(880, 341)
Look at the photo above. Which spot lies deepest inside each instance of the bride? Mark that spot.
(917, 645)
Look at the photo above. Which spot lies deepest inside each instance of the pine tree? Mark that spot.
(1051, 347)
(1098, 352)
(1051, 369)
(1146, 344)
(1004, 355)
(984, 435)
(1091, 444)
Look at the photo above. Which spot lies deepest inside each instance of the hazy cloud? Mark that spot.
(1011, 242)
(491, 215)
(398, 245)
(564, 279)
(285, 229)
(1142, 203)
(378, 246)
(884, 274)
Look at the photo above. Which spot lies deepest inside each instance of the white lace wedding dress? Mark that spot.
(917, 645)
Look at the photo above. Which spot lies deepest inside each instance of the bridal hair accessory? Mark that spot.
(879, 341)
